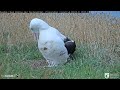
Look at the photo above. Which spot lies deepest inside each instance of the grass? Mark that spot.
(85, 65)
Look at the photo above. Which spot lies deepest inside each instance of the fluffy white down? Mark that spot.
(50, 42)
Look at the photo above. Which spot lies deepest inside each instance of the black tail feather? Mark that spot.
(70, 45)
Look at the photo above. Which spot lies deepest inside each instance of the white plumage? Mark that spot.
(50, 42)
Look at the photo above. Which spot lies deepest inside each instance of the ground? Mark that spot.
(26, 62)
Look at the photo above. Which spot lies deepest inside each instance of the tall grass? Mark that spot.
(83, 27)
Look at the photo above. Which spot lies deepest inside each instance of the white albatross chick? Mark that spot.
(50, 42)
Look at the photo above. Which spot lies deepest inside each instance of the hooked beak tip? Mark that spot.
(36, 35)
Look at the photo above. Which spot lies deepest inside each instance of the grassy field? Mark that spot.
(24, 63)
(97, 38)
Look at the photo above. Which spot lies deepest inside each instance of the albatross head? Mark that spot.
(36, 25)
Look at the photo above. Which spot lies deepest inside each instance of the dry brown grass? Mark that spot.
(82, 27)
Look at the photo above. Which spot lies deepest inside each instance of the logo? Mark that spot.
(111, 75)
(9, 76)
(106, 75)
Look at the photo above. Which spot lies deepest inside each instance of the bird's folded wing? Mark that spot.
(61, 35)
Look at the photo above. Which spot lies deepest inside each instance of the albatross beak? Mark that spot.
(36, 35)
